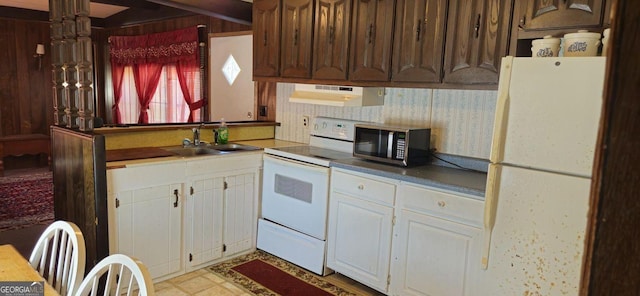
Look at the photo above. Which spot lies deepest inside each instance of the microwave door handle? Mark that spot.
(390, 145)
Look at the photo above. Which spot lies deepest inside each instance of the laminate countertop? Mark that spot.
(457, 180)
(118, 158)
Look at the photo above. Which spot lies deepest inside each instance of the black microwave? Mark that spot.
(406, 146)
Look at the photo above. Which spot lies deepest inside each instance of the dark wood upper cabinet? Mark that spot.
(555, 14)
(297, 38)
(419, 40)
(331, 39)
(418, 43)
(371, 40)
(534, 19)
(477, 39)
(266, 38)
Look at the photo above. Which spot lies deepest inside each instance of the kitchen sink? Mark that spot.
(210, 149)
(193, 150)
(234, 147)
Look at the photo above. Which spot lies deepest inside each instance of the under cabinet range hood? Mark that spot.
(341, 96)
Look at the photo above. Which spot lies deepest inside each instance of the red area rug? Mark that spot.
(266, 275)
(26, 200)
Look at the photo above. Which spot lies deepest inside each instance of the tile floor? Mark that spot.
(202, 282)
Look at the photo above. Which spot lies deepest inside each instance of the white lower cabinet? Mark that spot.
(416, 241)
(434, 251)
(149, 227)
(360, 224)
(181, 215)
(240, 213)
(145, 215)
(220, 217)
(204, 221)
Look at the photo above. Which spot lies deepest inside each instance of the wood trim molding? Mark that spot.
(612, 248)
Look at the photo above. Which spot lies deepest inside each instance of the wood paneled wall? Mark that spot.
(80, 187)
(26, 96)
(611, 265)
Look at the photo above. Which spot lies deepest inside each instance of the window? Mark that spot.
(168, 104)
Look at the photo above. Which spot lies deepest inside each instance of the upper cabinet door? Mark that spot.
(418, 40)
(477, 39)
(553, 14)
(297, 38)
(371, 39)
(266, 38)
(331, 39)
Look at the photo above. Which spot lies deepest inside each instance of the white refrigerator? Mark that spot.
(539, 178)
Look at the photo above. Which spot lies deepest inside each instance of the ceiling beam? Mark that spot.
(150, 10)
(24, 14)
(230, 10)
(129, 3)
(139, 16)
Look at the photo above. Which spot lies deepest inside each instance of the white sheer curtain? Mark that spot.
(168, 104)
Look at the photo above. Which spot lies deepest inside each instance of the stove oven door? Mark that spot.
(296, 194)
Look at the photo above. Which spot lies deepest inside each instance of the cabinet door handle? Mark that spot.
(175, 192)
(418, 29)
(361, 187)
(370, 37)
(295, 37)
(265, 38)
(441, 204)
(477, 27)
(523, 21)
(331, 34)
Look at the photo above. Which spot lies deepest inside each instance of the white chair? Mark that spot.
(59, 256)
(124, 276)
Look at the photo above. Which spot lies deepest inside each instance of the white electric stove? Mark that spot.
(295, 194)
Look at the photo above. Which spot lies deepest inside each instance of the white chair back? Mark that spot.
(59, 256)
(124, 276)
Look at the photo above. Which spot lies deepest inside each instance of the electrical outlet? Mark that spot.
(305, 121)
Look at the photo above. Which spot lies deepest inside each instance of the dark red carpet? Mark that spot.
(266, 275)
(277, 280)
(26, 200)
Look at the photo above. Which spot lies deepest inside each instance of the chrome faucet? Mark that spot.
(196, 134)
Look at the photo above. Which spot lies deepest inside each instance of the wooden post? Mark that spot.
(72, 64)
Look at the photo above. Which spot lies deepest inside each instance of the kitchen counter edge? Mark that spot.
(262, 143)
(457, 180)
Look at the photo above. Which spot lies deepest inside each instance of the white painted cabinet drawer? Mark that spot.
(442, 204)
(374, 189)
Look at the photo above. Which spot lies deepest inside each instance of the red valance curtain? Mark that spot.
(162, 48)
(148, 54)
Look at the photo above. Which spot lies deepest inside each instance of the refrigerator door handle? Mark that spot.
(502, 111)
(490, 206)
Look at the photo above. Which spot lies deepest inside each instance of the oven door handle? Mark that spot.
(293, 163)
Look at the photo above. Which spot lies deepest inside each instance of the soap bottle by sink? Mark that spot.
(222, 133)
